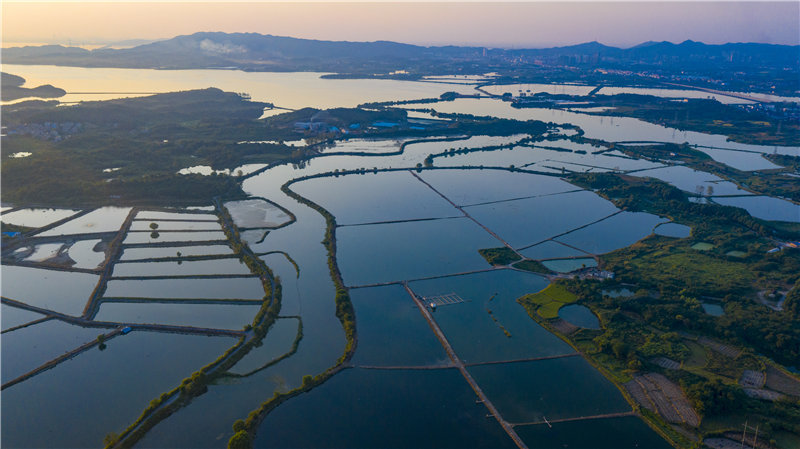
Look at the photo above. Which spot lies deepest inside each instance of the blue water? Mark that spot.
(231, 265)
(172, 251)
(469, 327)
(59, 291)
(568, 265)
(30, 347)
(465, 187)
(235, 288)
(529, 221)
(549, 250)
(373, 198)
(580, 316)
(619, 231)
(144, 225)
(397, 251)
(360, 408)
(392, 330)
(556, 389)
(628, 432)
(673, 230)
(97, 392)
(13, 316)
(713, 309)
(765, 207)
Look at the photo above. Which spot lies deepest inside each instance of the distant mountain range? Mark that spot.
(251, 51)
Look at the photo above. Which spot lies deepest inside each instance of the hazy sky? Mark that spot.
(519, 24)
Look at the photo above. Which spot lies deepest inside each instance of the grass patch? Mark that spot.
(739, 254)
(499, 256)
(533, 266)
(677, 267)
(548, 301)
(702, 246)
(698, 355)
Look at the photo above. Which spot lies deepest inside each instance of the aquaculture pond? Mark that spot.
(13, 316)
(153, 215)
(524, 391)
(104, 219)
(227, 266)
(673, 230)
(618, 231)
(87, 254)
(551, 249)
(401, 408)
(694, 181)
(392, 330)
(97, 392)
(208, 314)
(257, 213)
(224, 288)
(30, 347)
(529, 221)
(395, 251)
(140, 237)
(44, 251)
(580, 316)
(765, 207)
(712, 309)
(131, 253)
(569, 265)
(371, 198)
(489, 325)
(147, 225)
(36, 218)
(59, 291)
(628, 432)
(466, 187)
(740, 160)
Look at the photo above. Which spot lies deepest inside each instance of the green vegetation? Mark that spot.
(665, 317)
(148, 138)
(197, 384)
(548, 301)
(790, 162)
(345, 313)
(499, 256)
(776, 183)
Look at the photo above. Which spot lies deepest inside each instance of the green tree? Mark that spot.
(154, 226)
(239, 440)
(110, 439)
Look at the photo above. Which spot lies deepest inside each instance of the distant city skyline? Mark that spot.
(519, 24)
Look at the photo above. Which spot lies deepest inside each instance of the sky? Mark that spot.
(509, 25)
